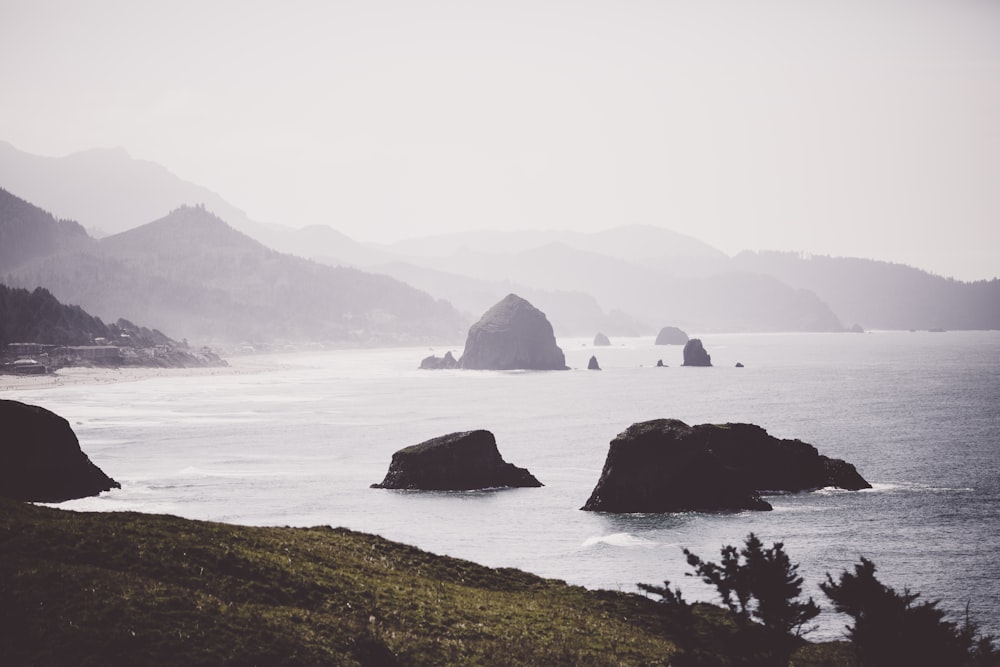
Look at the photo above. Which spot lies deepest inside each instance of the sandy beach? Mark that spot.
(74, 376)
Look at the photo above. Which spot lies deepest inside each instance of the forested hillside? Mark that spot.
(27, 232)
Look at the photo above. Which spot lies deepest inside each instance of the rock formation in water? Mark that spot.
(695, 354)
(660, 364)
(592, 365)
(455, 462)
(665, 465)
(600, 340)
(513, 334)
(739, 364)
(41, 459)
(671, 336)
(436, 363)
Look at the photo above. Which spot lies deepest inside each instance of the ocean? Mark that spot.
(918, 413)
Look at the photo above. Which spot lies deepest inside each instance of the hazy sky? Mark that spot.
(867, 128)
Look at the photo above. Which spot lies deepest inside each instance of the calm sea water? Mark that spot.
(918, 413)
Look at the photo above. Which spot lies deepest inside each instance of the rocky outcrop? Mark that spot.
(600, 340)
(665, 465)
(455, 462)
(511, 335)
(592, 365)
(437, 363)
(671, 336)
(41, 459)
(695, 354)
(660, 364)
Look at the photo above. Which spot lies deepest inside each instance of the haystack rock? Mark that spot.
(671, 336)
(437, 363)
(665, 465)
(592, 365)
(600, 340)
(511, 335)
(455, 462)
(695, 354)
(41, 459)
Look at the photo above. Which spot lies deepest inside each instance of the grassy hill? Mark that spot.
(128, 588)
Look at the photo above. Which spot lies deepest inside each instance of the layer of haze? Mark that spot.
(864, 128)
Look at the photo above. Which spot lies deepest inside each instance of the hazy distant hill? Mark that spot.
(881, 295)
(108, 191)
(733, 301)
(193, 274)
(28, 232)
(571, 313)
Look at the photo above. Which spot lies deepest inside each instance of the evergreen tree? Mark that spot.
(892, 628)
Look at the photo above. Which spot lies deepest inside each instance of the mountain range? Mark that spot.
(189, 272)
(624, 281)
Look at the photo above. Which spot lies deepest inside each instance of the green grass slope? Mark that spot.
(140, 589)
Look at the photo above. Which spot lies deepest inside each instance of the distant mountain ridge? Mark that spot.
(882, 295)
(192, 273)
(640, 277)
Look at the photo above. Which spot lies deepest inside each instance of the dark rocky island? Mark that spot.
(695, 354)
(665, 465)
(671, 336)
(511, 335)
(455, 462)
(437, 363)
(41, 459)
(592, 365)
(600, 340)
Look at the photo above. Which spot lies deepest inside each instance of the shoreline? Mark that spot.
(72, 376)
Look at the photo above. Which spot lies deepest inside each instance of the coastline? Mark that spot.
(69, 376)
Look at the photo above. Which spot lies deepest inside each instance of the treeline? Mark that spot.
(36, 316)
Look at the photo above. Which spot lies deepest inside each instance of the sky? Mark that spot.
(866, 128)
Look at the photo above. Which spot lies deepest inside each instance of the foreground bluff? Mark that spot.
(455, 462)
(41, 460)
(665, 465)
(513, 334)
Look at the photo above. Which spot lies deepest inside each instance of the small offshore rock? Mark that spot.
(739, 364)
(461, 461)
(695, 354)
(671, 336)
(436, 363)
(660, 364)
(592, 365)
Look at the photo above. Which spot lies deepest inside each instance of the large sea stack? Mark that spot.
(665, 465)
(671, 336)
(455, 462)
(601, 340)
(41, 459)
(511, 335)
(695, 354)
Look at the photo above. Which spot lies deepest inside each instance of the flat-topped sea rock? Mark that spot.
(512, 335)
(41, 459)
(664, 465)
(671, 336)
(460, 461)
(695, 354)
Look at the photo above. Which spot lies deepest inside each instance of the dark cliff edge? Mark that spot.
(41, 459)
